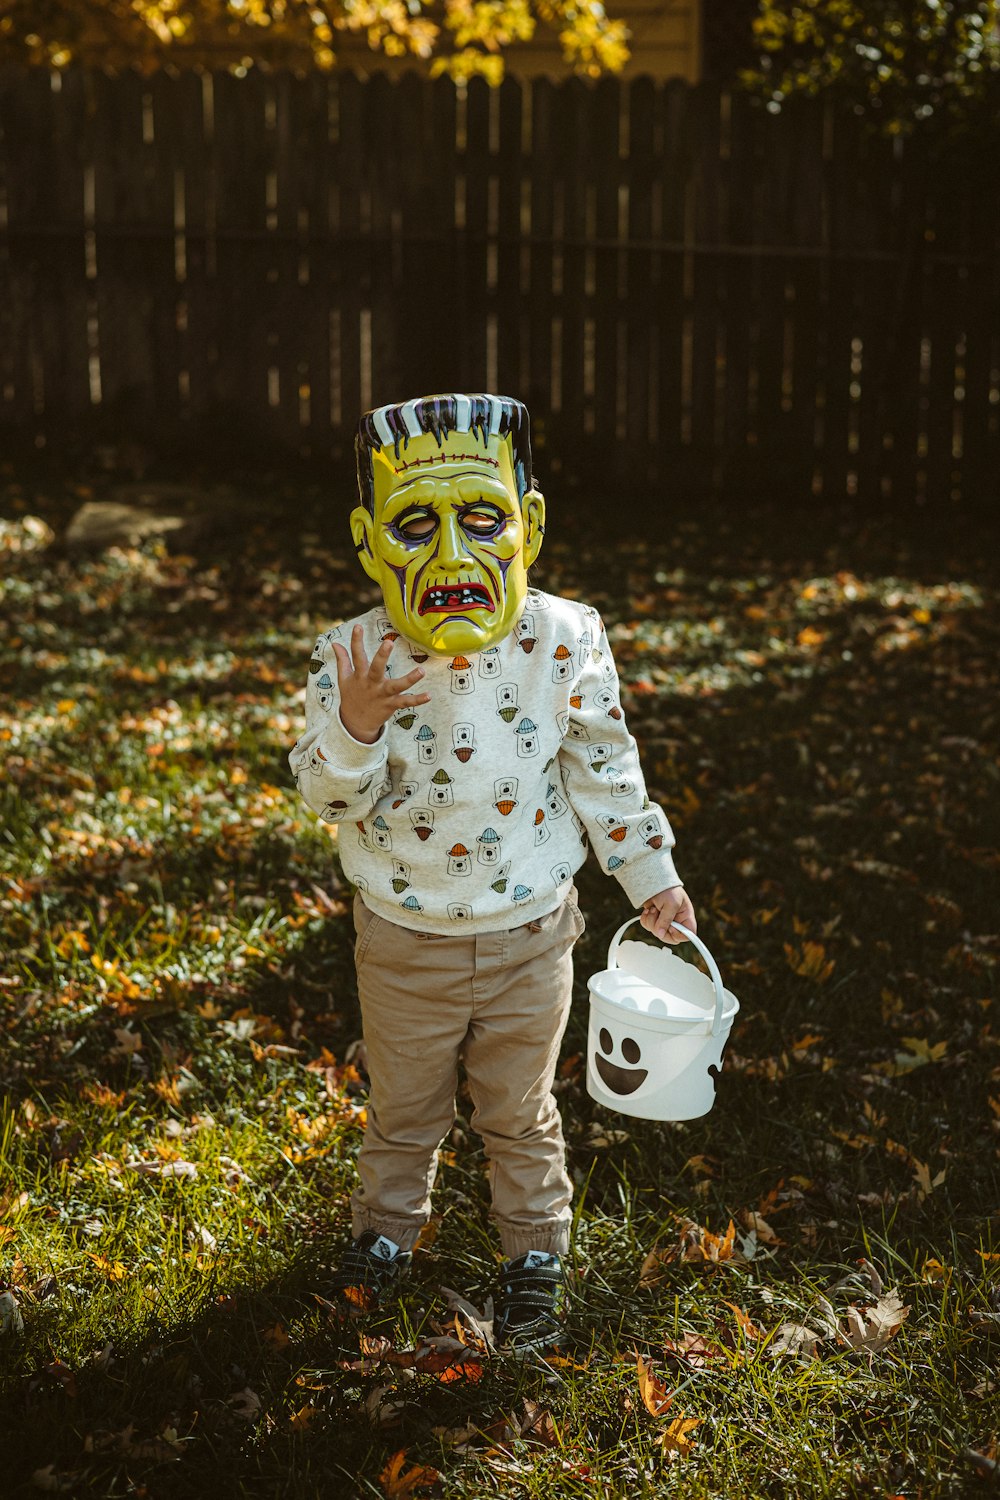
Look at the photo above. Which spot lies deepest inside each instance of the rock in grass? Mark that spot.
(106, 523)
(11, 1320)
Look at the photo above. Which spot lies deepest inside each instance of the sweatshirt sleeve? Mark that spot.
(338, 776)
(599, 758)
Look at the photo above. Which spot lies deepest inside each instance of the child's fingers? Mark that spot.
(413, 676)
(343, 663)
(410, 700)
(358, 650)
(376, 671)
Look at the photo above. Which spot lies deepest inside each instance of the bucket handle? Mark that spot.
(713, 967)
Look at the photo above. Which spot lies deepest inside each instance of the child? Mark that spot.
(468, 736)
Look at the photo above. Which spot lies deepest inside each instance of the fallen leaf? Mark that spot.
(474, 1325)
(48, 1479)
(656, 1398)
(244, 1404)
(759, 1226)
(114, 1270)
(694, 1350)
(746, 1324)
(879, 1324)
(301, 1420)
(674, 1439)
(794, 1338)
(399, 1483)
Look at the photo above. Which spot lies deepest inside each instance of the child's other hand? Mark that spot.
(660, 910)
(367, 697)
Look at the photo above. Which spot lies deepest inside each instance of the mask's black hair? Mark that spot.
(438, 414)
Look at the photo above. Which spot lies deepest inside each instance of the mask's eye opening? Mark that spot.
(631, 1050)
(604, 1037)
(415, 525)
(482, 519)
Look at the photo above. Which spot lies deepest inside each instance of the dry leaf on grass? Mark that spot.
(48, 1479)
(244, 1404)
(656, 1398)
(302, 1420)
(398, 1482)
(746, 1323)
(794, 1338)
(440, 1355)
(879, 1324)
(695, 1351)
(674, 1439)
(472, 1324)
(755, 1223)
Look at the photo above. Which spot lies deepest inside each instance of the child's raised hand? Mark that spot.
(660, 910)
(367, 697)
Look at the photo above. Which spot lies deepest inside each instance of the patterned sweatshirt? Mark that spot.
(476, 809)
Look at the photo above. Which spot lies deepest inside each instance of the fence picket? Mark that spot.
(681, 285)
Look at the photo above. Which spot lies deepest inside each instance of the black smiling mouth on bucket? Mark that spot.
(619, 1080)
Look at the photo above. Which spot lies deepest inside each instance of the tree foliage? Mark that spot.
(901, 62)
(459, 38)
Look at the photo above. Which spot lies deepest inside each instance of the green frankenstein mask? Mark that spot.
(449, 522)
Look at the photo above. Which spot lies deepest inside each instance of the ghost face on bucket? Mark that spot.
(449, 542)
(617, 1062)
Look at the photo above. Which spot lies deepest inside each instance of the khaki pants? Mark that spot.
(498, 1002)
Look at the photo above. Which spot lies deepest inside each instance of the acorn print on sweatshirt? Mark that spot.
(507, 701)
(613, 827)
(650, 832)
(505, 792)
(463, 741)
(524, 634)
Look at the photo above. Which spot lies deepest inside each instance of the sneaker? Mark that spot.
(370, 1266)
(529, 1302)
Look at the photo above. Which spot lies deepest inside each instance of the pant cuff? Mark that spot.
(404, 1231)
(518, 1240)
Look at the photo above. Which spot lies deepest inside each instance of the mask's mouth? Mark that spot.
(454, 598)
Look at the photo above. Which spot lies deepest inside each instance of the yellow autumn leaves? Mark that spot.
(465, 38)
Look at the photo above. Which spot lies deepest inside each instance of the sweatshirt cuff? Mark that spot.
(345, 753)
(645, 877)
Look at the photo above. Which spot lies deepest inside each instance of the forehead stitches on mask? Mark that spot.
(448, 458)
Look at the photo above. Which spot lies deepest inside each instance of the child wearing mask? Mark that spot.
(468, 736)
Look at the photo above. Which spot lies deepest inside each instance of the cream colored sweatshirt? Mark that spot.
(475, 809)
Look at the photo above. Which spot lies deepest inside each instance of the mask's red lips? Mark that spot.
(454, 598)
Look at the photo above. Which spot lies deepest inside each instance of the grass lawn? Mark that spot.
(797, 1295)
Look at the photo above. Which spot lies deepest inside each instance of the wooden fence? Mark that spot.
(690, 293)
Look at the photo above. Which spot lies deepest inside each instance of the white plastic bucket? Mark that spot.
(658, 1027)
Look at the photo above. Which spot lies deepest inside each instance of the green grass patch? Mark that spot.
(816, 707)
